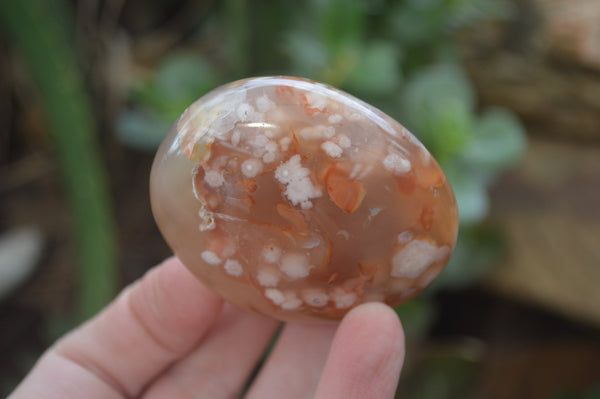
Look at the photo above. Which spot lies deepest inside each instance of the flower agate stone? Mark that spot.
(298, 201)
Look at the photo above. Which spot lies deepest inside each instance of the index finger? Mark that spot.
(149, 326)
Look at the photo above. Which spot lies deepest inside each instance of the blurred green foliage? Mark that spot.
(160, 100)
(40, 32)
(398, 55)
(444, 372)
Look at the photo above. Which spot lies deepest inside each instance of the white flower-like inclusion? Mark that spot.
(295, 265)
(233, 267)
(251, 168)
(335, 118)
(299, 188)
(285, 142)
(214, 178)
(271, 253)
(396, 164)
(343, 141)
(287, 300)
(315, 297)
(268, 276)
(211, 258)
(332, 149)
(264, 103)
(414, 258)
(343, 299)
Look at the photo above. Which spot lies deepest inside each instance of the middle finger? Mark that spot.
(294, 368)
(220, 365)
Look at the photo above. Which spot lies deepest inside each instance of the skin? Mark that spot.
(168, 336)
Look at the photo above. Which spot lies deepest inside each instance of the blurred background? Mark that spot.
(505, 94)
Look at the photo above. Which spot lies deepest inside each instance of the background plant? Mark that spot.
(398, 55)
(40, 31)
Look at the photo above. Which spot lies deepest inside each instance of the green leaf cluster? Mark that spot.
(179, 80)
(439, 105)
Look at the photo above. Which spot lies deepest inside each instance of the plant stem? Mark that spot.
(41, 31)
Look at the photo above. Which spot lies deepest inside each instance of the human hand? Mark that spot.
(168, 336)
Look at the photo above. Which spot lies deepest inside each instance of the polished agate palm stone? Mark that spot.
(298, 201)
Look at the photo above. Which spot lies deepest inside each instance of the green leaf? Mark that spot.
(468, 12)
(308, 55)
(470, 192)
(42, 32)
(438, 105)
(141, 130)
(340, 22)
(433, 84)
(417, 23)
(185, 75)
(180, 79)
(475, 254)
(443, 373)
(449, 128)
(499, 141)
(377, 71)
(416, 316)
(432, 21)
(237, 36)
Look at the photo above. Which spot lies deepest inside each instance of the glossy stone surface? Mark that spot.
(298, 201)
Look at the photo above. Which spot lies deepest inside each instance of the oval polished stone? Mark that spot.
(298, 201)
